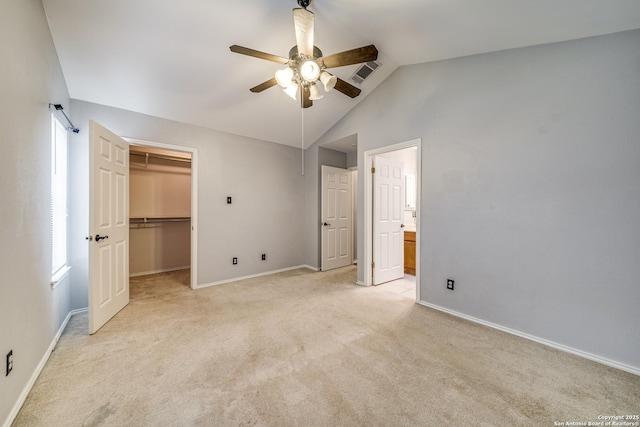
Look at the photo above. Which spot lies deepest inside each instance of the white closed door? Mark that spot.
(336, 221)
(108, 225)
(388, 230)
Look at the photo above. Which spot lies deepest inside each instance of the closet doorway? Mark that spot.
(162, 209)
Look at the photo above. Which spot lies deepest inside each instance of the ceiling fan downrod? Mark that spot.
(304, 3)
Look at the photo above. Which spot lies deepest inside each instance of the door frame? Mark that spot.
(368, 206)
(194, 196)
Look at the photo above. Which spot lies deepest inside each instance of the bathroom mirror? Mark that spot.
(410, 192)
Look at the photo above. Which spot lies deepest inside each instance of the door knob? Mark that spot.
(401, 225)
(326, 224)
(99, 237)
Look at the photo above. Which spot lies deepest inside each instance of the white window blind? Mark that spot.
(58, 195)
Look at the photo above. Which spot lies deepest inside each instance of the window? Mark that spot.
(58, 201)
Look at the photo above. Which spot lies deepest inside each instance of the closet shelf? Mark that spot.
(149, 220)
(148, 156)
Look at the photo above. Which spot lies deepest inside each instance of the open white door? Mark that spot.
(108, 225)
(336, 218)
(388, 233)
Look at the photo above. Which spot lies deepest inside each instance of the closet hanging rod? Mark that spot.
(160, 156)
(159, 219)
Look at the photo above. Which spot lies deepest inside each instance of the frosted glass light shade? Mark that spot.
(310, 71)
(314, 93)
(329, 81)
(284, 76)
(292, 90)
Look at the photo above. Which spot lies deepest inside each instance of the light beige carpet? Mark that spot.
(309, 349)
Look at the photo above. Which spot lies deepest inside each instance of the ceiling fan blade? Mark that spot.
(257, 54)
(346, 88)
(350, 57)
(306, 101)
(265, 85)
(303, 21)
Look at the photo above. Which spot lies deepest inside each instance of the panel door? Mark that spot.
(388, 232)
(108, 225)
(336, 220)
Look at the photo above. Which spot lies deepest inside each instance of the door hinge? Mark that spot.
(373, 265)
(373, 170)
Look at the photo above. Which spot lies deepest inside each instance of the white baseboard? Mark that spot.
(251, 276)
(603, 360)
(27, 389)
(309, 267)
(165, 270)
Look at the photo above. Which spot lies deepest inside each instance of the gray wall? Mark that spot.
(263, 178)
(352, 160)
(530, 186)
(30, 78)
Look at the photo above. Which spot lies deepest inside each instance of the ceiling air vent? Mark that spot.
(364, 71)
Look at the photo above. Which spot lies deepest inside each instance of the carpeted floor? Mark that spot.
(309, 349)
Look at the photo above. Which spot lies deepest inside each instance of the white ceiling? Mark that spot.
(171, 59)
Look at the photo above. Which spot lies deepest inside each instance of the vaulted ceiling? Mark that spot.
(171, 59)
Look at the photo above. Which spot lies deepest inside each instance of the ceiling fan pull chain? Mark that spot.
(302, 127)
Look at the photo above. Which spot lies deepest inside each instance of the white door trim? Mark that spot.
(368, 207)
(194, 196)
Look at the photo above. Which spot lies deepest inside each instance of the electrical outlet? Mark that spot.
(9, 362)
(235, 261)
(450, 284)
(264, 257)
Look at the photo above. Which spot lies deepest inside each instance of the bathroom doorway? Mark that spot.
(408, 155)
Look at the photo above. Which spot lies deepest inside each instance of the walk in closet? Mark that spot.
(159, 211)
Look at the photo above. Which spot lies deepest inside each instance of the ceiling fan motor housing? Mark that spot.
(304, 3)
(293, 52)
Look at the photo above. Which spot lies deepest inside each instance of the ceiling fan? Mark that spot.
(306, 65)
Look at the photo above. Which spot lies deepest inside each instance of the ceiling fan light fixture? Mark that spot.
(314, 93)
(291, 90)
(284, 77)
(306, 64)
(328, 80)
(310, 70)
